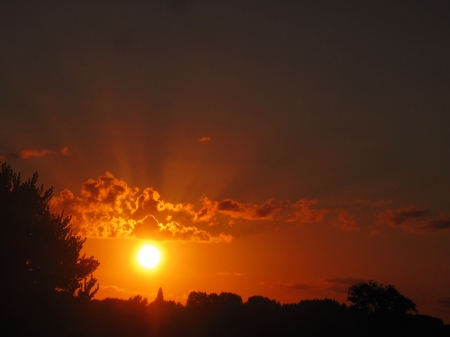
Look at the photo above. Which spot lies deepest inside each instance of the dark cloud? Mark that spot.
(238, 210)
(415, 219)
(439, 224)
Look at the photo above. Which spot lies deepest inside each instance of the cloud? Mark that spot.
(27, 153)
(296, 286)
(300, 286)
(414, 219)
(109, 208)
(205, 139)
(345, 221)
(237, 210)
(439, 224)
(339, 284)
(272, 284)
(151, 228)
(305, 214)
(403, 215)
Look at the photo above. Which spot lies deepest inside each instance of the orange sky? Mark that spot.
(282, 149)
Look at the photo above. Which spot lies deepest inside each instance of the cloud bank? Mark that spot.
(108, 208)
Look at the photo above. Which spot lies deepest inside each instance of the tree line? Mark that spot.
(47, 288)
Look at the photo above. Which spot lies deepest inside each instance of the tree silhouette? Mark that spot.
(373, 298)
(159, 296)
(40, 255)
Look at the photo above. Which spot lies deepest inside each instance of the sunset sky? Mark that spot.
(287, 149)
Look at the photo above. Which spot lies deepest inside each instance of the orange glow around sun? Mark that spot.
(149, 256)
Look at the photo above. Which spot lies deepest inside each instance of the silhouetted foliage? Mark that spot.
(159, 295)
(226, 315)
(40, 256)
(262, 304)
(373, 298)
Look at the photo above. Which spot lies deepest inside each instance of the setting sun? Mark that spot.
(149, 256)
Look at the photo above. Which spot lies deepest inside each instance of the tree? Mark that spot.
(262, 304)
(40, 255)
(159, 296)
(373, 298)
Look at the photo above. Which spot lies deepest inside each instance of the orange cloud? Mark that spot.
(237, 210)
(108, 207)
(34, 153)
(414, 219)
(151, 228)
(345, 221)
(27, 153)
(205, 139)
(304, 214)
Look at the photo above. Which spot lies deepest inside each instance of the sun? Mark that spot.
(149, 256)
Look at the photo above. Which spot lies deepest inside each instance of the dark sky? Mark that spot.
(342, 102)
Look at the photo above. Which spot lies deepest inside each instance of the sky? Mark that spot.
(288, 149)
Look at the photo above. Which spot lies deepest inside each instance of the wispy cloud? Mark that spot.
(339, 284)
(205, 139)
(296, 286)
(29, 153)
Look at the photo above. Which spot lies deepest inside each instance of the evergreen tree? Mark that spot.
(40, 255)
